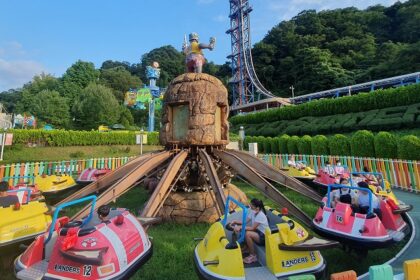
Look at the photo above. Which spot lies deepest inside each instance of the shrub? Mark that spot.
(283, 144)
(64, 138)
(260, 141)
(304, 145)
(385, 145)
(409, 147)
(339, 145)
(362, 144)
(319, 145)
(247, 140)
(292, 145)
(357, 103)
(275, 145)
(267, 145)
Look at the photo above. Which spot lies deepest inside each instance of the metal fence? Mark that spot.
(25, 172)
(403, 174)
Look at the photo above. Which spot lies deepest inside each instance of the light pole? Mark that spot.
(293, 91)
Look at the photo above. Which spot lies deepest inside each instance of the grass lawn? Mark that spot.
(174, 244)
(19, 153)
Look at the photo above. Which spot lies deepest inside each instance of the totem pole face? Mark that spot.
(195, 112)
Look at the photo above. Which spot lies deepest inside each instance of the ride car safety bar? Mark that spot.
(337, 186)
(244, 216)
(67, 204)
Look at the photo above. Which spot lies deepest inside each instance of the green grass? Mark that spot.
(174, 244)
(20, 153)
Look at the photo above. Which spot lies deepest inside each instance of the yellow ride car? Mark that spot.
(23, 221)
(51, 184)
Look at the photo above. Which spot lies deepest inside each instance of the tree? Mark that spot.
(316, 70)
(38, 84)
(76, 78)
(171, 64)
(120, 80)
(49, 107)
(126, 118)
(96, 105)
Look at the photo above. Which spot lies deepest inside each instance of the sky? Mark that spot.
(50, 35)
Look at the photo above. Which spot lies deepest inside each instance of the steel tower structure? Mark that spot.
(246, 86)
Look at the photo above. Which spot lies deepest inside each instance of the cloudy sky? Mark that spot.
(49, 35)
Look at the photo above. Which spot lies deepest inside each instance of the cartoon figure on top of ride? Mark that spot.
(194, 55)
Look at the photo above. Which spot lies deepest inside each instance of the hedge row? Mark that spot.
(401, 96)
(363, 143)
(79, 138)
(376, 120)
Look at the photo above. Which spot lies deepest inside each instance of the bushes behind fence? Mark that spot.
(362, 143)
(64, 138)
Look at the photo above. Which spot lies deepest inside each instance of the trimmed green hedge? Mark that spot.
(319, 145)
(385, 145)
(63, 138)
(339, 145)
(304, 145)
(409, 147)
(292, 145)
(283, 144)
(376, 120)
(401, 96)
(362, 144)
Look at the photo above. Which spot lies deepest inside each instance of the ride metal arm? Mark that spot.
(106, 180)
(154, 203)
(278, 176)
(263, 185)
(127, 182)
(214, 180)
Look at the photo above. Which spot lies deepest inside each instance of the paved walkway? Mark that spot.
(413, 251)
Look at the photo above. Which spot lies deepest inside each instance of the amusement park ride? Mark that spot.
(195, 159)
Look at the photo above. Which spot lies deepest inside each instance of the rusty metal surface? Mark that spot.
(214, 180)
(277, 175)
(127, 182)
(263, 185)
(106, 180)
(154, 203)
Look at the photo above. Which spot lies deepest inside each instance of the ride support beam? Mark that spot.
(278, 176)
(127, 182)
(216, 186)
(106, 180)
(159, 195)
(263, 185)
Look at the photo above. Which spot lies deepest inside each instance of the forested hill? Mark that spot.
(318, 51)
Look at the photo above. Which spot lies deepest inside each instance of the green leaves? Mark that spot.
(63, 138)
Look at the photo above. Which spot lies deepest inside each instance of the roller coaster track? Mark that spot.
(127, 182)
(263, 185)
(245, 81)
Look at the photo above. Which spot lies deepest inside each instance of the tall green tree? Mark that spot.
(171, 64)
(30, 90)
(76, 78)
(49, 107)
(95, 105)
(120, 80)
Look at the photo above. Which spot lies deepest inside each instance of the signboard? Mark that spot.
(9, 139)
(139, 139)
